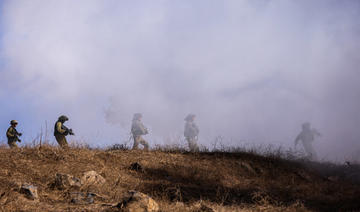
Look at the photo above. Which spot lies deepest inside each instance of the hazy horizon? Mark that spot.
(252, 71)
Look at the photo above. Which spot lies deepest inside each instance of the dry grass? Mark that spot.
(176, 179)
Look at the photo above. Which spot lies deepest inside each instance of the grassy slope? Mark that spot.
(177, 181)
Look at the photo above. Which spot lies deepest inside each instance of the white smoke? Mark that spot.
(251, 70)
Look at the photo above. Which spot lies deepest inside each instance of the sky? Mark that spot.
(252, 71)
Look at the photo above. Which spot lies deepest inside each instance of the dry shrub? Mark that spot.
(177, 179)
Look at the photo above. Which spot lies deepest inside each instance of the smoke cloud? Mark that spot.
(252, 71)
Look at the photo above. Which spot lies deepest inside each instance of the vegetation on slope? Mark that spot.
(177, 180)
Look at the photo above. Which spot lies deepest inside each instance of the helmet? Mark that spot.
(189, 117)
(12, 122)
(137, 116)
(63, 118)
(306, 125)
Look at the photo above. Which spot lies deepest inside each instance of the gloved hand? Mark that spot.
(71, 132)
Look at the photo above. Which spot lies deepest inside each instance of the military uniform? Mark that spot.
(138, 129)
(60, 132)
(12, 136)
(191, 133)
(307, 137)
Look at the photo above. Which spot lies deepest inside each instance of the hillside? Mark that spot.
(177, 181)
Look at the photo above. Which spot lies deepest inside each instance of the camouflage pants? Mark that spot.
(192, 142)
(310, 151)
(62, 141)
(139, 140)
(12, 144)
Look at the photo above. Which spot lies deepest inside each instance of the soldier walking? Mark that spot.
(138, 130)
(191, 133)
(307, 137)
(12, 134)
(60, 131)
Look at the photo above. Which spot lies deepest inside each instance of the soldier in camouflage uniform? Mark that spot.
(191, 133)
(60, 131)
(13, 135)
(307, 136)
(138, 129)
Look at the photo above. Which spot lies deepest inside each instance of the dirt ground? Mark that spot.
(177, 181)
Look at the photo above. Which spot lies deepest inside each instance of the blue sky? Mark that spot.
(13, 105)
(251, 70)
(1, 31)
(3, 106)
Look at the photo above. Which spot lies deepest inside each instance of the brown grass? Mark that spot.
(177, 180)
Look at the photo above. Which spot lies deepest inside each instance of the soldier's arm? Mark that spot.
(196, 128)
(10, 133)
(317, 133)
(297, 139)
(17, 133)
(143, 128)
(59, 128)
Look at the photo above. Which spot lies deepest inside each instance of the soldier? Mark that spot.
(12, 134)
(307, 136)
(60, 131)
(191, 133)
(138, 129)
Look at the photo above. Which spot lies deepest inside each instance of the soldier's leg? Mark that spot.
(313, 152)
(65, 143)
(61, 139)
(12, 144)
(136, 142)
(195, 145)
(310, 150)
(192, 144)
(144, 143)
(58, 139)
(306, 148)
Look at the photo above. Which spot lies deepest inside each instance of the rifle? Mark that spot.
(17, 136)
(68, 131)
